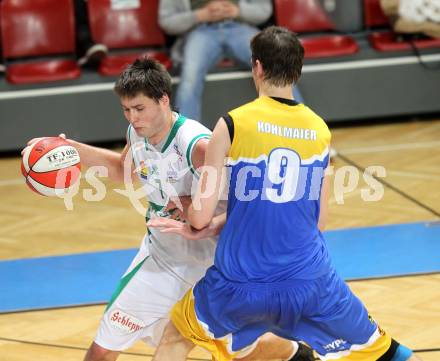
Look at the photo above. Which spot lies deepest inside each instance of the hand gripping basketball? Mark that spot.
(51, 166)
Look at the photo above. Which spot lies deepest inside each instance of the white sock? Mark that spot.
(295, 348)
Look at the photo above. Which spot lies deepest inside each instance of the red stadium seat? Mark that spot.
(306, 16)
(126, 28)
(1, 53)
(388, 40)
(38, 28)
(374, 15)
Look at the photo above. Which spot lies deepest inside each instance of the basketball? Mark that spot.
(51, 166)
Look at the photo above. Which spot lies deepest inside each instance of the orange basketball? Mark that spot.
(51, 166)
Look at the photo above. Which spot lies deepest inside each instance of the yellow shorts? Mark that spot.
(183, 316)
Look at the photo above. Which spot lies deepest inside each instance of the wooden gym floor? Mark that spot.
(407, 307)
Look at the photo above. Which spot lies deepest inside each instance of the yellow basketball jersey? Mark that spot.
(277, 159)
(266, 124)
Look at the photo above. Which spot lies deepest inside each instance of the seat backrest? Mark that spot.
(125, 27)
(37, 27)
(301, 15)
(373, 14)
(0, 31)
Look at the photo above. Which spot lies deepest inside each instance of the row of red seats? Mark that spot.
(305, 16)
(387, 41)
(46, 28)
(42, 28)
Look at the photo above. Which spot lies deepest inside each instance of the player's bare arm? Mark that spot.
(167, 225)
(95, 156)
(210, 185)
(199, 153)
(179, 206)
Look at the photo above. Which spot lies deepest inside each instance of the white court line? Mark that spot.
(354, 193)
(11, 182)
(415, 175)
(387, 148)
(312, 68)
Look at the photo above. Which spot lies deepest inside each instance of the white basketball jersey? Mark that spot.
(168, 172)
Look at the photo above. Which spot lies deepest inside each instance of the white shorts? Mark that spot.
(139, 308)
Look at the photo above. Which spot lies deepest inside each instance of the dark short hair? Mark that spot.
(145, 76)
(280, 53)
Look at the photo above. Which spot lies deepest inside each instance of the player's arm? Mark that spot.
(178, 206)
(167, 225)
(199, 153)
(95, 156)
(325, 194)
(208, 192)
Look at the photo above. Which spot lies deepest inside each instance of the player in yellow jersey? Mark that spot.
(272, 271)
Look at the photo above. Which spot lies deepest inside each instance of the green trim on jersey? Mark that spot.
(177, 124)
(123, 282)
(129, 141)
(191, 146)
(128, 133)
(155, 207)
(152, 207)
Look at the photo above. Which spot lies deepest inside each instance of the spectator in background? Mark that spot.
(90, 54)
(207, 31)
(414, 16)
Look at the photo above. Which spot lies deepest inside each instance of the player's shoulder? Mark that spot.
(192, 128)
(188, 135)
(191, 123)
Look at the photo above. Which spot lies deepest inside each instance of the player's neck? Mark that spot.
(273, 91)
(160, 136)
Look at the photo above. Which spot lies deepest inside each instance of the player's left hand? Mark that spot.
(168, 225)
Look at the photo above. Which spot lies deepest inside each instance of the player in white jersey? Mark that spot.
(165, 265)
(167, 172)
(163, 149)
